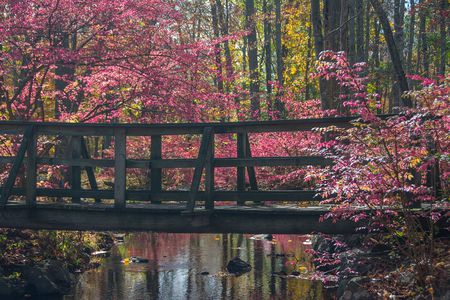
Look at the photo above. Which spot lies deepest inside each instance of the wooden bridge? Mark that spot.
(154, 208)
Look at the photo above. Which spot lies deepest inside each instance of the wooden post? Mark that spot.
(31, 175)
(75, 171)
(6, 190)
(156, 174)
(209, 175)
(250, 170)
(201, 161)
(120, 170)
(89, 170)
(240, 184)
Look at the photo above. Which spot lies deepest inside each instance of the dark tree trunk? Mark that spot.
(267, 11)
(359, 30)
(217, 52)
(423, 49)
(252, 56)
(280, 64)
(443, 46)
(393, 51)
(64, 72)
(223, 21)
(316, 21)
(412, 24)
(367, 32)
(351, 31)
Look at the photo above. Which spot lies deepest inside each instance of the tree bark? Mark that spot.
(393, 51)
(223, 21)
(279, 55)
(217, 52)
(359, 31)
(351, 32)
(412, 24)
(267, 11)
(443, 54)
(252, 56)
(367, 32)
(317, 29)
(423, 49)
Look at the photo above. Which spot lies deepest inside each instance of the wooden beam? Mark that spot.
(240, 179)
(120, 181)
(209, 175)
(180, 196)
(201, 160)
(31, 172)
(6, 190)
(272, 161)
(89, 169)
(250, 169)
(75, 171)
(85, 129)
(155, 172)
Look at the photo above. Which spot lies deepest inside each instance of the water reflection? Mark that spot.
(176, 261)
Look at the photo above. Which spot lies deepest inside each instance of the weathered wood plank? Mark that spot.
(89, 169)
(209, 174)
(250, 169)
(155, 171)
(120, 168)
(241, 151)
(31, 174)
(297, 161)
(6, 190)
(201, 160)
(180, 196)
(85, 129)
(75, 171)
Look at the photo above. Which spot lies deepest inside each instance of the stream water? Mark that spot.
(177, 261)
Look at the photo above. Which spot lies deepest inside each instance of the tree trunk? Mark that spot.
(279, 52)
(359, 31)
(267, 11)
(443, 54)
(423, 42)
(412, 24)
(393, 51)
(367, 32)
(316, 21)
(217, 52)
(351, 32)
(223, 21)
(343, 27)
(252, 56)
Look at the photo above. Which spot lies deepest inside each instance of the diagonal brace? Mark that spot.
(205, 147)
(6, 190)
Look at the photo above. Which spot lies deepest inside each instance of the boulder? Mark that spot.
(58, 274)
(238, 267)
(38, 282)
(354, 289)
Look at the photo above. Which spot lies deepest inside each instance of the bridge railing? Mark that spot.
(78, 157)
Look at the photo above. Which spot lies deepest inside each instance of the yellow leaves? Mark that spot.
(409, 176)
(293, 70)
(414, 162)
(365, 188)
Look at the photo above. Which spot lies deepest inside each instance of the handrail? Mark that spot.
(107, 129)
(77, 157)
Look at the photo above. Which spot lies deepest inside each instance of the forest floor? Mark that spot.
(45, 262)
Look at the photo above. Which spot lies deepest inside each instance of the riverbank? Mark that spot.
(361, 267)
(38, 263)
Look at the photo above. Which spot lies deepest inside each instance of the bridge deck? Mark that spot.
(171, 218)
